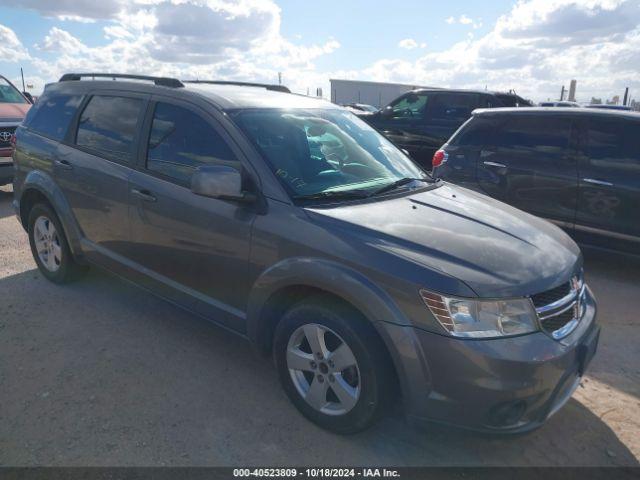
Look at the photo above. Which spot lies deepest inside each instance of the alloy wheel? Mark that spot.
(323, 369)
(47, 243)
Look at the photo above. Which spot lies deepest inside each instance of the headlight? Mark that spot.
(469, 318)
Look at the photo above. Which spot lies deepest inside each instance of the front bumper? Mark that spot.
(505, 385)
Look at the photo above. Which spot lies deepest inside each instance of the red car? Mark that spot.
(13, 108)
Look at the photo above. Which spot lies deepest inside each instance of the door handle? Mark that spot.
(495, 164)
(144, 195)
(594, 181)
(63, 164)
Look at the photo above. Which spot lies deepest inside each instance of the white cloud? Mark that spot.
(61, 41)
(217, 39)
(465, 20)
(70, 9)
(536, 48)
(408, 43)
(11, 49)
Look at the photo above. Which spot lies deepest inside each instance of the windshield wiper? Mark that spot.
(397, 184)
(333, 194)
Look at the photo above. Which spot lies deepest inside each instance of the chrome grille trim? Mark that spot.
(541, 311)
(574, 300)
(564, 306)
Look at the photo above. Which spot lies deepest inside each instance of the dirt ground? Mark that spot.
(102, 373)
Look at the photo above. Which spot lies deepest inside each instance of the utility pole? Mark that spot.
(279, 78)
(626, 96)
(22, 75)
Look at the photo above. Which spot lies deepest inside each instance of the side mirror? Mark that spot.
(219, 181)
(29, 97)
(386, 112)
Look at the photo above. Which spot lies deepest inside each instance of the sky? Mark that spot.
(531, 46)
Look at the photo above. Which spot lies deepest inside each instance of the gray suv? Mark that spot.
(293, 223)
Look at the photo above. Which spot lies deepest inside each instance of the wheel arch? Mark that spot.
(40, 187)
(294, 279)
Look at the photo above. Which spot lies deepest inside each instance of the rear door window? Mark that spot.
(52, 115)
(614, 145)
(543, 133)
(180, 141)
(108, 126)
(452, 106)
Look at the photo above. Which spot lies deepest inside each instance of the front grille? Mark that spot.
(550, 296)
(7, 143)
(558, 307)
(553, 324)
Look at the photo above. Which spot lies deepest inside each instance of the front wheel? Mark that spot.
(332, 365)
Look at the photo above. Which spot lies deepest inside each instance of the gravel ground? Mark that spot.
(101, 373)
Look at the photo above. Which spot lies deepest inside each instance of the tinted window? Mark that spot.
(409, 106)
(8, 93)
(181, 141)
(615, 144)
(52, 115)
(108, 126)
(319, 151)
(452, 106)
(540, 131)
(476, 132)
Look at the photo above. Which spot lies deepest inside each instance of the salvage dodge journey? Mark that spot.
(293, 223)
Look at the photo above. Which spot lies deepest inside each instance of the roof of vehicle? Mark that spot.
(553, 111)
(455, 90)
(234, 96)
(225, 96)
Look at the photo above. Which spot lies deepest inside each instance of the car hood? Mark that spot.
(13, 111)
(495, 249)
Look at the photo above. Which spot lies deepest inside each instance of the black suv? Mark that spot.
(421, 120)
(578, 167)
(292, 222)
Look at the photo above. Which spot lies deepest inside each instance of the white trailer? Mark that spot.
(377, 94)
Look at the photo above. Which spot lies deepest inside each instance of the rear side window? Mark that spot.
(108, 126)
(476, 132)
(614, 144)
(538, 131)
(52, 115)
(181, 141)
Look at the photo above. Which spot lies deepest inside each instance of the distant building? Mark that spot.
(377, 94)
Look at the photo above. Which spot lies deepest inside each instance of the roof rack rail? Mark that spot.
(161, 81)
(275, 88)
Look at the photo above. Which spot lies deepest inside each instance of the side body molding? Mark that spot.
(44, 184)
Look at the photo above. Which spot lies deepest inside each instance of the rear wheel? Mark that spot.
(332, 365)
(49, 245)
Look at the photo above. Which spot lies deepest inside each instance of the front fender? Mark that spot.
(340, 280)
(354, 287)
(37, 180)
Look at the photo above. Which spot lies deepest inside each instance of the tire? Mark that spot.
(341, 400)
(46, 235)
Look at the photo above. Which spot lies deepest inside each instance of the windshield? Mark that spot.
(323, 151)
(9, 94)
